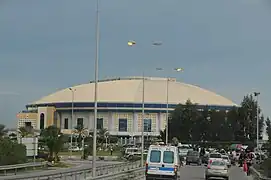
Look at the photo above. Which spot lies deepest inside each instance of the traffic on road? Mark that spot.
(170, 162)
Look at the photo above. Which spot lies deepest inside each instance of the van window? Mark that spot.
(225, 157)
(215, 155)
(155, 156)
(168, 157)
(193, 153)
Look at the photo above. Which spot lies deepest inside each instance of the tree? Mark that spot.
(23, 132)
(188, 123)
(268, 131)
(13, 137)
(175, 141)
(163, 135)
(183, 123)
(249, 116)
(53, 138)
(3, 130)
(82, 132)
(11, 152)
(103, 136)
(204, 125)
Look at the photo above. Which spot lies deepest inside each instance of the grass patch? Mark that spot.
(67, 153)
(99, 153)
(62, 165)
(108, 153)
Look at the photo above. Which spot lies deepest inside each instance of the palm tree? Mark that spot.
(13, 137)
(81, 132)
(3, 130)
(53, 138)
(25, 132)
(103, 134)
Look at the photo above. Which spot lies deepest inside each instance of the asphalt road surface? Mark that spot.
(198, 173)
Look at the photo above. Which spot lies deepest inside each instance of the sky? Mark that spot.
(47, 45)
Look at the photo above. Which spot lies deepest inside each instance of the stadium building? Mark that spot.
(119, 106)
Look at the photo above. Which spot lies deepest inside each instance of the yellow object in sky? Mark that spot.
(179, 69)
(131, 43)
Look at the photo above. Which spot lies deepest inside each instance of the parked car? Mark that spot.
(215, 157)
(205, 159)
(193, 157)
(227, 160)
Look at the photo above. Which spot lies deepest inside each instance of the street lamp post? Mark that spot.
(84, 135)
(167, 97)
(72, 90)
(95, 91)
(143, 118)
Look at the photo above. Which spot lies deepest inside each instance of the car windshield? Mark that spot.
(155, 156)
(168, 157)
(193, 153)
(215, 155)
(218, 163)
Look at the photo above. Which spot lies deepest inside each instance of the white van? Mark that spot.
(162, 162)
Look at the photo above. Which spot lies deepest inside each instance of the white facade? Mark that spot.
(111, 120)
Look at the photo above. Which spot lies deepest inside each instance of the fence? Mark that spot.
(257, 175)
(134, 171)
(14, 168)
(79, 173)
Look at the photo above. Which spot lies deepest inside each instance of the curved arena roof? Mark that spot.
(129, 90)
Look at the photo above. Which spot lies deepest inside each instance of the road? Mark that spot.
(197, 173)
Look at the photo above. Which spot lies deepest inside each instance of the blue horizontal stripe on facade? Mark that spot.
(123, 105)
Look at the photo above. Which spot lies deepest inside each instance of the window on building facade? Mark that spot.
(27, 124)
(147, 125)
(123, 125)
(42, 121)
(100, 123)
(80, 122)
(66, 123)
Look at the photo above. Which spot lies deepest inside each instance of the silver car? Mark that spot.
(217, 169)
(227, 160)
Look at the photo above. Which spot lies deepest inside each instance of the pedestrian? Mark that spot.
(111, 150)
(249, 162)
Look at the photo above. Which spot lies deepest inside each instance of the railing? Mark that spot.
(133, 171)
(76, 173)
(14, 168)
(257, 175)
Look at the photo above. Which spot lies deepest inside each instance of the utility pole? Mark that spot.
(143, 119)
(96, 91)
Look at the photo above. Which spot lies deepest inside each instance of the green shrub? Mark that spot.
(11, 152)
